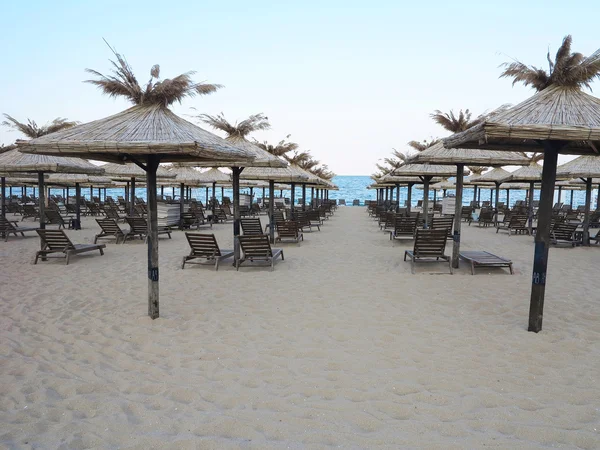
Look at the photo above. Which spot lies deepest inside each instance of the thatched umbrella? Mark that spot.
(495, 176)
(425, 172)
(146, 134)
(558, 119)
(578, 184)
(130, 173)
(586, 168)
(16, 162)
(527, 174)
(290, 174)
(437, 154)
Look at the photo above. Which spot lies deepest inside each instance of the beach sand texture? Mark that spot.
(339, 346)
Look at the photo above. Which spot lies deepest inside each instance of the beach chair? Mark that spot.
(595, 238)
(564, 233)
(204, 247)
(315, 219)
(485, 259)
(139, 227)
(289, 231)
(517, 223)
(355, 202)
(486, 217)
(30, 211)
(251, 227)
(8, 227)
(443, 223)
(404, 228)
(110, 229)
(53, 217)
(258, 248)
(56, 241)
(466, 214)
(342, 202)
(304, 222)
(430, 246)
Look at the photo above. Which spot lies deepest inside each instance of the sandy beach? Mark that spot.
(340, 346)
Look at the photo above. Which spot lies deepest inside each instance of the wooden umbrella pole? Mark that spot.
(542, 236)
(508, 198)
(598, 199)
(153, 292)
(409, 197)
(460, 172)
(42, 200)
(132, 200)
(181, 204)
(586, 217)
(530, 209)
(426, 180)
(312, 196)
(206, 206)
(397, 197)
(91, 192)
(162, 192)
(214, 201)
(292, 199)
(571, 202)
(3, 199)
(497, 201)
(271, 210)
(77, 206)
(236, 171)
(559, 194)
(303, 196)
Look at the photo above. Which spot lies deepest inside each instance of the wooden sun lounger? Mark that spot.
(564, 233)
(516, 224)
(111, 230)
(485, 259)
(205, 247)
(430, 246)
(251, 226)
(139, 227)
(404, 228)
(8, 227)
(56, 241)
(289, 231)
(258, 248)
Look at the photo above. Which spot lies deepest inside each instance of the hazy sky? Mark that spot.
(348, 80)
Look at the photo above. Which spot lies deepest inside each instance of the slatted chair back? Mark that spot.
(53, 217)
(314, 216)
(288, 230)
(29, 211)
(111, 212)
(466, 213)
(109, 226)
(342, 202)
(55, 240)
(203, 245)
(244, 210)
(421, 219)
(443, 223)
(486, 216)
(302, 219)
(251, 226)
(6, 226)
(356, 202)
(564, 231)
(430, 243)
(256, 246)
(518, 221)
(138, 225)
(405, 227)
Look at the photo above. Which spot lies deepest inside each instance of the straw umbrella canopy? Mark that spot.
(14, 161)
(459, 157)
(147, 134)
(585, 168)
(426, 172)
(558, 119)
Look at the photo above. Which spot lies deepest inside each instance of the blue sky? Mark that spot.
(348, 80)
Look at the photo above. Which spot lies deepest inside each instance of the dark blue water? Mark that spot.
(350, 188)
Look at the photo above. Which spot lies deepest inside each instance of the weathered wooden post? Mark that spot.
(132, 200)
(530, 207)
(586, 217)
(78, 206)
(42, 200)
(292, 199)
(460, 172)
(235, 172)
(397, 197)
(409, 197)
(3, 201)
(497, 201)
(303, 196)
(271, 211)
(426, 180)
(508, 198)
(181, 205)
(542, 236)
(153, 291)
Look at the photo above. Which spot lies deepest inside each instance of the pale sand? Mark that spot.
(339, 346)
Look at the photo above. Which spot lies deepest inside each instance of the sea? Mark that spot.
(351, 187)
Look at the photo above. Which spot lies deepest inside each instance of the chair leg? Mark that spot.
(183, 263)
(67, 259)
(37, 255)
(282, 258)
(101, 251)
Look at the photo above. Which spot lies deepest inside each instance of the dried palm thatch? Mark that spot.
(288, 174)
(568, 69)
(130, 170)
(123, 83)
(32, 130)
(422, 145)
(532, 172)
(438, 154)
(581, 167)
(417, 170)
(256, 122)
(455, 123)
(15, 161)
(69, 179)
(493, 176)
(140, 130)
(557, 113)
